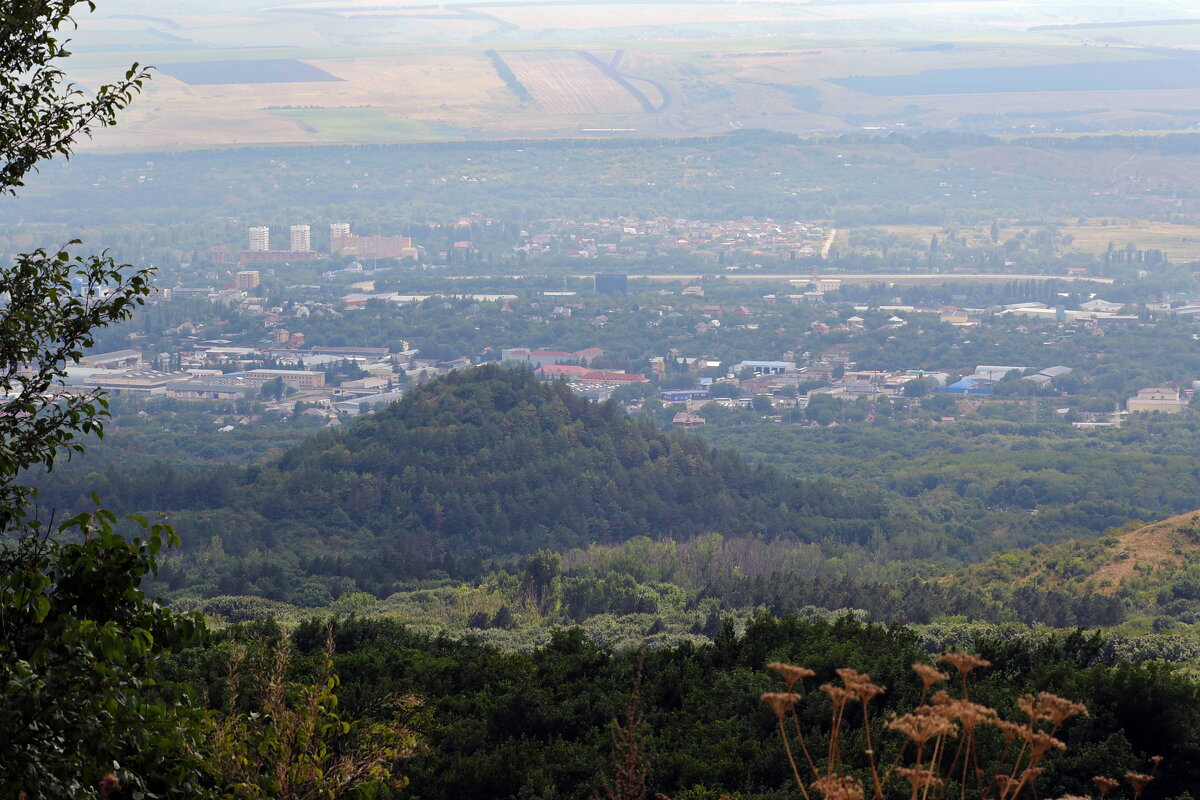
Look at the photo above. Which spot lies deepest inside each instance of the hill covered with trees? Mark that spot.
(479, 465)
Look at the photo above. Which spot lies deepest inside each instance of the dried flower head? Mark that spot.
(839, 787)
(1138, 781)
(919, 778)
(1012, 730)
(780, 702)
(1029, 775)
(963, 662)
(860, 684)
(789, 673)
(1155, 760)
(838, 695)
(1040, 742)
(929, 675)
(1050, 707)
(920, 728)
(1104, 785)
(968, 714)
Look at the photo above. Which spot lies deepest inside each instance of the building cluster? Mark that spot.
(217, 370)
(575, 369)
(341, 243)
(634, 238)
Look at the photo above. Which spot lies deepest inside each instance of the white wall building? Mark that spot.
(301, 241)
(260, 239)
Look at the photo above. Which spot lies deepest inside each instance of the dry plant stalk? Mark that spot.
(630, 765)
(939, 739)
(293, 745)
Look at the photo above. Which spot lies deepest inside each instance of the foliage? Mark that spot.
(54, 301)
(292, 744)
(82, 712)
(41, 114)
(81, 643)
(539, 722)
(481, 463)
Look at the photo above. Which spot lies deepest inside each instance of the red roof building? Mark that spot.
(561, 370)
(614, 377)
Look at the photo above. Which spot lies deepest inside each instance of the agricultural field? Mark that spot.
(368, 125)
(436, 95)
(566, 82)
(1180, 243)
(647, 68)
(267, 70)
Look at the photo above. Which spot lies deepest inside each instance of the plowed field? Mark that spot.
(563, 82)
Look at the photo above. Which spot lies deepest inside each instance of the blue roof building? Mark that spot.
(967, 386)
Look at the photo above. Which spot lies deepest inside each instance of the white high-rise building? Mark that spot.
(339, 232)
(301, 239)
(260, 239)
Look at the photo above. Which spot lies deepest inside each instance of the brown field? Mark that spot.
(454, 90)
(599, 16)
(1181, 243)
(723, 65)
(563, 82)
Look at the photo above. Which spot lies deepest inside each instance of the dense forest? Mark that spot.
(489, 501)
(539, 723)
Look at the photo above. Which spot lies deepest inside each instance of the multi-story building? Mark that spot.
(297, 379)
(260, 239)
(342, 242)
(301, 241)
(246, 280)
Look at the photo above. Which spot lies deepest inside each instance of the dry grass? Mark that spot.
(1180, 242)
(450, 89)
(1153, 547)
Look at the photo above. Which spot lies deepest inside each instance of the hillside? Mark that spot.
(1154, 568)
(479, 465)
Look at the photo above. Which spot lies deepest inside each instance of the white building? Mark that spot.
(1159, 398)
(994, 373)
(301, 239)
(1101, 305)
(260, 239)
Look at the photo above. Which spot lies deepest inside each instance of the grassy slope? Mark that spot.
(1139, 563)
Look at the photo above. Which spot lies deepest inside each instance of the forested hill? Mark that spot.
(484, 463)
